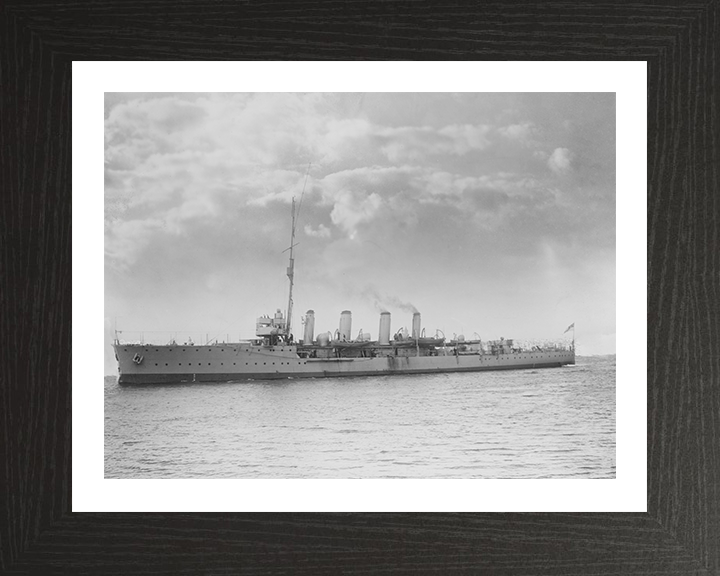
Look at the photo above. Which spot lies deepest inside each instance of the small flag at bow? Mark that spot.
(569, 328)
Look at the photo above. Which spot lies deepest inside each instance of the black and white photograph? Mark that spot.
(374, 288)
(360, 285)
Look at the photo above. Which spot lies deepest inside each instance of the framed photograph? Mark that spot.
(424, 144)
(491, 202)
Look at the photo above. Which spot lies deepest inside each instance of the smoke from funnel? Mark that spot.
(382, 302)
(404, 306)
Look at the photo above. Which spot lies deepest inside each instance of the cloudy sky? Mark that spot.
(490, 213)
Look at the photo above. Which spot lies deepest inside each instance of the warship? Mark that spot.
(274, 354)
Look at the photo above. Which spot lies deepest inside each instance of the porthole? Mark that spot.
(155, 363)
(156, 350)
(208, 363)
(166, 363)
(124, 349)
(197, 350)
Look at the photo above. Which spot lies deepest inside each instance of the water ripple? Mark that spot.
(553, 423)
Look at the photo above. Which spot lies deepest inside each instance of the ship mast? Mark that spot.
(291, 271)
(291, 264)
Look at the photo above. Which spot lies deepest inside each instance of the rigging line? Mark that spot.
(307, 173)
(217, 334)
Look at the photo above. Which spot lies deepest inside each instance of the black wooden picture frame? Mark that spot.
(680, 533)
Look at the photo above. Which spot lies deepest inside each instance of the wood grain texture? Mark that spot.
(681, 532)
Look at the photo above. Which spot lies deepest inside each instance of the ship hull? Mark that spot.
(177, 364)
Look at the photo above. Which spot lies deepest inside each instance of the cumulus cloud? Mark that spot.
(270, 186)
(322, 231)
(519, 132)
(340, 137)
(560, 160)
(375, 198)
(125, 240)
(350, 210)
(448, 184)
(177, 161)
(464, 138)
(355, 196)
(414, 143)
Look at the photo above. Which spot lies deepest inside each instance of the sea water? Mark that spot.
(545, 423)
